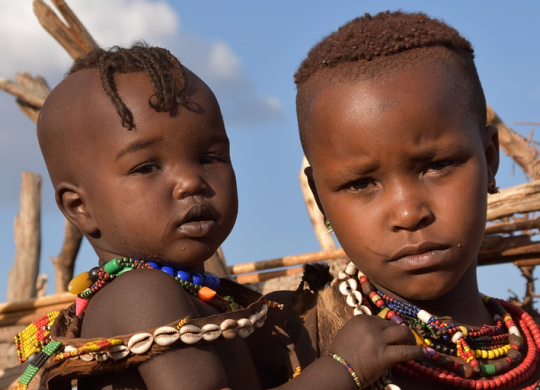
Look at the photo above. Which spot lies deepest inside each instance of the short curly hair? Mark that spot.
(163, 69)
(369, 46)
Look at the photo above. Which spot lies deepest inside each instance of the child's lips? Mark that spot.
(197, 229)
(420, 257)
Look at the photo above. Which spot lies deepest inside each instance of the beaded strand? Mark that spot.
(499, 344)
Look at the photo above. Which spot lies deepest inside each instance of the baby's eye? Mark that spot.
(359, 185)
(145, 169)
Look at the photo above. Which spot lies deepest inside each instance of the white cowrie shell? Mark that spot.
(348, 286)
(166, 335)
(140, 343)
(118, 352)
(190, 334)
(263, 310)
(245, 327)
(254, 318)
(101, 357)
(342, 275)
(351, 269)
(391, 386)
(87, 357)
(260, 323)
(229, 329)
(70, 348)
(210, 332)
(354, 298)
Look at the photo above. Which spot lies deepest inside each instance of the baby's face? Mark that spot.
(166, 189)
(401, 171)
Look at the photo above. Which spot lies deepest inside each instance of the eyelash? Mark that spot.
(215, 157)
(143, 169)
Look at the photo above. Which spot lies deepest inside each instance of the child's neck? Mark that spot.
(463, 303)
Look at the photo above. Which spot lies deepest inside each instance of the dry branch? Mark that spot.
(64, 263)
(72, 35)
(523, 198)
(23, 275)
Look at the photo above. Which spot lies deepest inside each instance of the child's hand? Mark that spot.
(371, 345)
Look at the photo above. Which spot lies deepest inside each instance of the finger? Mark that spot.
(399, 353)
(399, 335)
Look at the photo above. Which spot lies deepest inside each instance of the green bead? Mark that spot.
(113, 266)
(127, 269)
(488, 369)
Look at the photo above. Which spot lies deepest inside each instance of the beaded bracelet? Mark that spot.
(348, 367)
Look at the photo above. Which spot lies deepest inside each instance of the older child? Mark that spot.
(139, 159)
(392, 119)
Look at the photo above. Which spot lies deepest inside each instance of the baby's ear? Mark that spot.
(71, 201)
(308, 171)
(491, 150)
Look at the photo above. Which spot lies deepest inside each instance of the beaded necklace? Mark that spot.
(490, 352)
(203, 286)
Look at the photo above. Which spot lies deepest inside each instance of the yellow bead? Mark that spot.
(79, 283)
(497, 353)
(464, 331)
(484, 354)
(491, 355)
(428, 342)
(478, 353)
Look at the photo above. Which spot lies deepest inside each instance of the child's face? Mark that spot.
(164, 190)
(401, 170)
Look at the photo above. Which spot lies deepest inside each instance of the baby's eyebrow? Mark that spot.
(138, 145)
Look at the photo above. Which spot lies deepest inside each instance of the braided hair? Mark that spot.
(164, 70)
(369, 46)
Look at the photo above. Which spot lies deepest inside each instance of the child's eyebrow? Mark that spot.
(138, 145)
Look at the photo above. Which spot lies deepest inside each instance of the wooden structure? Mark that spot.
(512, 215)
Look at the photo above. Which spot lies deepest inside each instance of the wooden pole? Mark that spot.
(317, 218)
(64, 263)
(23, 275)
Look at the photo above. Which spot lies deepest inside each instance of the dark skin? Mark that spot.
(401, 168)
(164, 191)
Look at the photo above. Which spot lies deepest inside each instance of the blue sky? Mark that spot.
(247, 51)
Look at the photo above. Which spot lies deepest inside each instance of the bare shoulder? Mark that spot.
(136, 300)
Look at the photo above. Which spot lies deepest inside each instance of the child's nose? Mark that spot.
(409, 212)
(190, 183)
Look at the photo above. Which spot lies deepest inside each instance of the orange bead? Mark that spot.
(79, 283)
(206, 294)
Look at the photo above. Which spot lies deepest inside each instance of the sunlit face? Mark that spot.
(164, 190)
(401, 172)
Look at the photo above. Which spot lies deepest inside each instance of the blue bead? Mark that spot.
(168, 270)
(197, 279)
(153, 265)
(184, 275)
(211, 281)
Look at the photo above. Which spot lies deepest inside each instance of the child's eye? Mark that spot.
(439, 165)
(145, 169)
(214, 158)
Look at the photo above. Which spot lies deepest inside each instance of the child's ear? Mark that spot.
(71, 201)
(491, 151)
(308, 171)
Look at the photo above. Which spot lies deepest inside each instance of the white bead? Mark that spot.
(354, 298)
(514, 330)
(360, 274)
(348, 286)
(190, 334)
(424, 316)
(456, 336)
(140, 343)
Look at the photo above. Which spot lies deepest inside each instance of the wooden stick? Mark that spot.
(524, 198)
(37, 303)
(64, 263)
(508, 227)
(263, 276)
(72, 35)
(285, 261)
(317, 218)
(23, 275)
